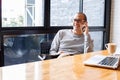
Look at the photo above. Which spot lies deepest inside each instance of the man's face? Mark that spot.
(78, 21)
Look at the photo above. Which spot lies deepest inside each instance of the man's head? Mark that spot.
(79, 20)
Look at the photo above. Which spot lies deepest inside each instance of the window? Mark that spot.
(22, 13)
(41, 19)
(98, 41)
(95, 15)
(62, 11)
(94, 12)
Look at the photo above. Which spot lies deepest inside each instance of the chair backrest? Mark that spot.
(45, 47)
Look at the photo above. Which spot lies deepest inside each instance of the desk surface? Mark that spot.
(67, 68)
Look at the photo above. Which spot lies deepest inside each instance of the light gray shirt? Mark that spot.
(65, 40)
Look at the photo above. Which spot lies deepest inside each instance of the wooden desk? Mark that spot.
(67, 68)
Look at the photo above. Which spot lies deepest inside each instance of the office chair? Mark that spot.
(44, 50)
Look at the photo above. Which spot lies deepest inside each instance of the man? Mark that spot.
(73, 41)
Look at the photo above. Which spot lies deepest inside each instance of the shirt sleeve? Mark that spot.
(55, 44)
(88, 44)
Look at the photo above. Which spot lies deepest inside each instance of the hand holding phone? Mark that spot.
(85, 29)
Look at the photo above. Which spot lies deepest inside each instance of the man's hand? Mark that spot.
(86, 32)
(63, 55)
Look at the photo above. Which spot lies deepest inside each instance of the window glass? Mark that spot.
(94, 9)
(22, 13)
(25, 48)
(62, 12)
(97, 40)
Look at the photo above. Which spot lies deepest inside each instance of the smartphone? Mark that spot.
(83, 29)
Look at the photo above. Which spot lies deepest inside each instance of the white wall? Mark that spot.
(115, 22)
